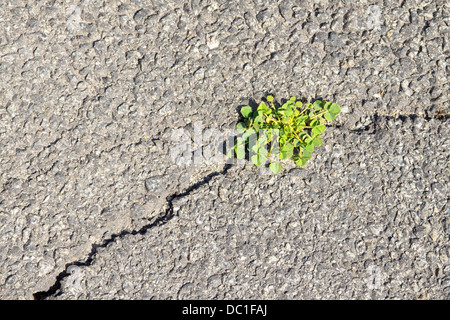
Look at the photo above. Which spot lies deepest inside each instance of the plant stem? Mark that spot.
(303, 110)
(319, 114)
(295, 134)
(309, 136)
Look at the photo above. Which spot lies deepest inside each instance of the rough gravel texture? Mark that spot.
(368, 220)
(92, 91)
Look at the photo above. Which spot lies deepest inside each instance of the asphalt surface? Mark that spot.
(94, 204)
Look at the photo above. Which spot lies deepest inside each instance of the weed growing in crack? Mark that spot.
(287, 131)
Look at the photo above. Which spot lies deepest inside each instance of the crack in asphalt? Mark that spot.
(375, 123)
(160, 221)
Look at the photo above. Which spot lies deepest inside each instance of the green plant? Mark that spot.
(287, 131)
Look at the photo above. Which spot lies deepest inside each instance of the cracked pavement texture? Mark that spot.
(91, 91)
(365, 222)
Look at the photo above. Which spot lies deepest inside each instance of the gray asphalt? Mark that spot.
(93, 205)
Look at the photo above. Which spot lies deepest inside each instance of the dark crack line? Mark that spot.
(376, 118)
(160, 221)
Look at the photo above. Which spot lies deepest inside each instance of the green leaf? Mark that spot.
(301, 162)
(240, 127)
(246, 111)
(256, 160)
(248, 133)
(275, 167)
(230, 153)
(301, 123)
(306, 154)
(262, 107)
(275, 125)
(287, 150)
(314, 132)
(293, 99)
(262, 140)
(287, 147)
(317, 141)
(327, 105)
(262, 151)
(276, 151)
(299, 104)
(321, 128)
(269, 98)
(240, 152)
(289, 111)
(240, 141)
(318, 105)
(252, 139)
(317, 130)
(309, 147)
(329, 116)
(335, 109)
(257, 122)
(297, 143)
